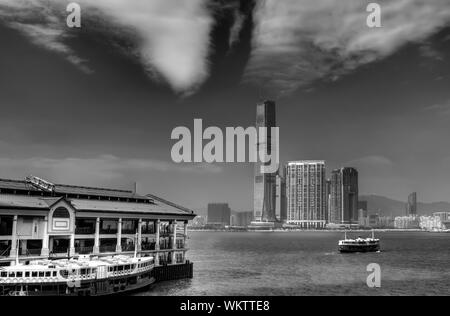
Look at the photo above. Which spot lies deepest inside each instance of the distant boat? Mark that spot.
(359, 244)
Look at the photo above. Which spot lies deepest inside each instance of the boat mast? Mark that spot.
(17, 249)
(135, 244)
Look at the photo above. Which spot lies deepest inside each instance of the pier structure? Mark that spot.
(41, 220)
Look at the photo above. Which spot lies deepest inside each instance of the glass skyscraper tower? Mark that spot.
(264, 197)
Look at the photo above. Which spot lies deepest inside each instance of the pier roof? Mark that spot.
(17, 194)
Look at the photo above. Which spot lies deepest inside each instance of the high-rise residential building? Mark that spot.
(281, 202)
(219, 214)
(328, 197)
(306, 193)
(411, 205)
(264, 198)
(344, 196)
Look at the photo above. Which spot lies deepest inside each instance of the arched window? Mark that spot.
(61, 212)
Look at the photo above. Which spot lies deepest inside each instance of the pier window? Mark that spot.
(129, 226)
(148, 227)
(108, 226)
(85, 226)
(5, 247)
(108, 245)
(148, 243)
(6, 224)
(127, 244)
(84, 246)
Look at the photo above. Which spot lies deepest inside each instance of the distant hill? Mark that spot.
(389, 207)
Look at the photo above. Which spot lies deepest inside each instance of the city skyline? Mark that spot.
(94, 76)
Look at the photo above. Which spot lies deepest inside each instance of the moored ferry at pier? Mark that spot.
(81, 276)
(359, 244)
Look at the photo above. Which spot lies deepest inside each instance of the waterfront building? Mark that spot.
(306, 193)
(264, 197)
(219, 214)
(411, 205)
(373, 220)
(328, 198)
(344, 196)
(41, 220)
(362, 217)
(407, 222)
(437, 222)
(243, 219)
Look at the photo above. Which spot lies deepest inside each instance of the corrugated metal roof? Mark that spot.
(42, 203)
(22, 201)
(16, 185)
(64, 189)
(109, 206)
(153, 205)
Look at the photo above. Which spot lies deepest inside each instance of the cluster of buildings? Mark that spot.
(299, 195)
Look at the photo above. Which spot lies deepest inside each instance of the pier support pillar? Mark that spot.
(119, 236)
(72, 245)
(14, 244)
(45, 252)
(139, 237)
(158, 224)
(174, 241)
(96, 249)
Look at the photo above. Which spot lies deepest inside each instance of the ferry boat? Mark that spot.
(359, 244)
(78, 276)
(82, 276)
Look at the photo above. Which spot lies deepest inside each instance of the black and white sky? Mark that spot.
(96, 105)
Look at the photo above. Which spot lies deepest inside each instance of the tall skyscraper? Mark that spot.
(306, 193)
(264, 198)
(411, 206)
(344, 196)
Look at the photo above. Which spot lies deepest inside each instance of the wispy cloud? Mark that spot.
(298, 41)
(173, 35)
(41, 24)
(100, 169)
(374, 161)
(439, 108)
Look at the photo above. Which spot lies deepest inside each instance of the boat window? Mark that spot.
(19, 274)
(83, 271)
(48, 274)
(41, 274)
(12, 274)
(120, 268)
(54, 273)
(127, 267)
(34, 274)
(27, 274)
(4, 274)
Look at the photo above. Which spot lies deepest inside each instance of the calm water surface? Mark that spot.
(307, 263)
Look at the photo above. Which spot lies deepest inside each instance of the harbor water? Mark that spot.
(308, 263)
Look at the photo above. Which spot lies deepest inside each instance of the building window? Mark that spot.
(61, 212)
